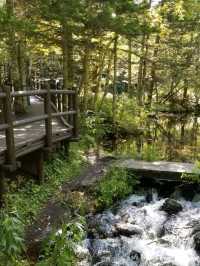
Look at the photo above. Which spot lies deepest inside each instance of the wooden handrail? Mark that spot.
(8, 124)
(2, 95)
(63, 92)
(3, 127)
(26, 121)
(37, 92)
(28, 93)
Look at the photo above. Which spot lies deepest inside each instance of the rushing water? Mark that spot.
(159, 239)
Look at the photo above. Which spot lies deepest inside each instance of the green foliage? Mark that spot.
(24, 203)
(11, 241)
(117, 184)
(150, 153)
(27, 200)
(195, 176)
(59, 248)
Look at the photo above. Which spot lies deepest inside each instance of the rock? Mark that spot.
(177, 194)
(196, 229)
(127, 229)
(197, 242)
(81, 253)
(189, 191)
(171, 206)
(83, 263)
(103, 224)
(149, 196)
(103, 263)
(196, 198)
(135, 256)
(104, 249)
(168, 264)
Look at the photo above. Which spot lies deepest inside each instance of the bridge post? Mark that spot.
(2, 187)
(48, 121)
(75, 116)
(10, 141)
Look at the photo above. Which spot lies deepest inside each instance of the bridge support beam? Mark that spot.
(33, 164)
(2, 185)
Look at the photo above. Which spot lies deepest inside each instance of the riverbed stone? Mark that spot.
(103, 263)
(127, 229)
(196, 229)
(177, 194)
(169, 264)
(81, 252)
(103, 224)
(136, 257)
(197, 242)
(196, 198)
(171, 206)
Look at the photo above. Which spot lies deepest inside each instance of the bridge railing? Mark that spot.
(9, 123)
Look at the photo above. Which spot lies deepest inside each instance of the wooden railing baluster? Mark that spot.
(70, 108)
(75, 115)
(48, 120)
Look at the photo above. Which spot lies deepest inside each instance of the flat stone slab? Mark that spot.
(162, 169)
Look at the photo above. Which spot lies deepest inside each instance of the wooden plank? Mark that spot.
(159, 170)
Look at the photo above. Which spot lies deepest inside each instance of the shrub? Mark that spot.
(116, 185)
(59, 248)
(11, 241)
(195, 176)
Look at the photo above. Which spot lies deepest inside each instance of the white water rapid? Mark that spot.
(145, 235)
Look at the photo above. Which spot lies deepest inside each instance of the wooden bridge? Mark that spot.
(160, 170)
(25, 139)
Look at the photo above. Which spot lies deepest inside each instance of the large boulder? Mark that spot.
(127, 229)
(197, 242)
(171, 206)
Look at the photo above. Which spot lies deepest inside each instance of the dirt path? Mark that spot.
(54, 211)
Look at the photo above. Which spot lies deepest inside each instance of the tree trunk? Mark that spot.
(130, 67)
(107, 80)
(153, 73)
(114, 101)
(17, 68)
(85, 82)
(68, 69)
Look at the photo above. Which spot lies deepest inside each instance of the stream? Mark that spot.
(145, 231)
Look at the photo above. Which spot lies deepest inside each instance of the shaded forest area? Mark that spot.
(148, 50)
(135, 66)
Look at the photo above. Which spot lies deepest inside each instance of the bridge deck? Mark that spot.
(33, 136)
(162, 170)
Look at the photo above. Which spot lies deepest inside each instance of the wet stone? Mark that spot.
(135, 256)
(197, 242)
(127, 229)
(196, 229)
(171, 207)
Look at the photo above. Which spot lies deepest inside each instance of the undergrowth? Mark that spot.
(193, 177)
(23, 203)
(116, 185)
(60, 247)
